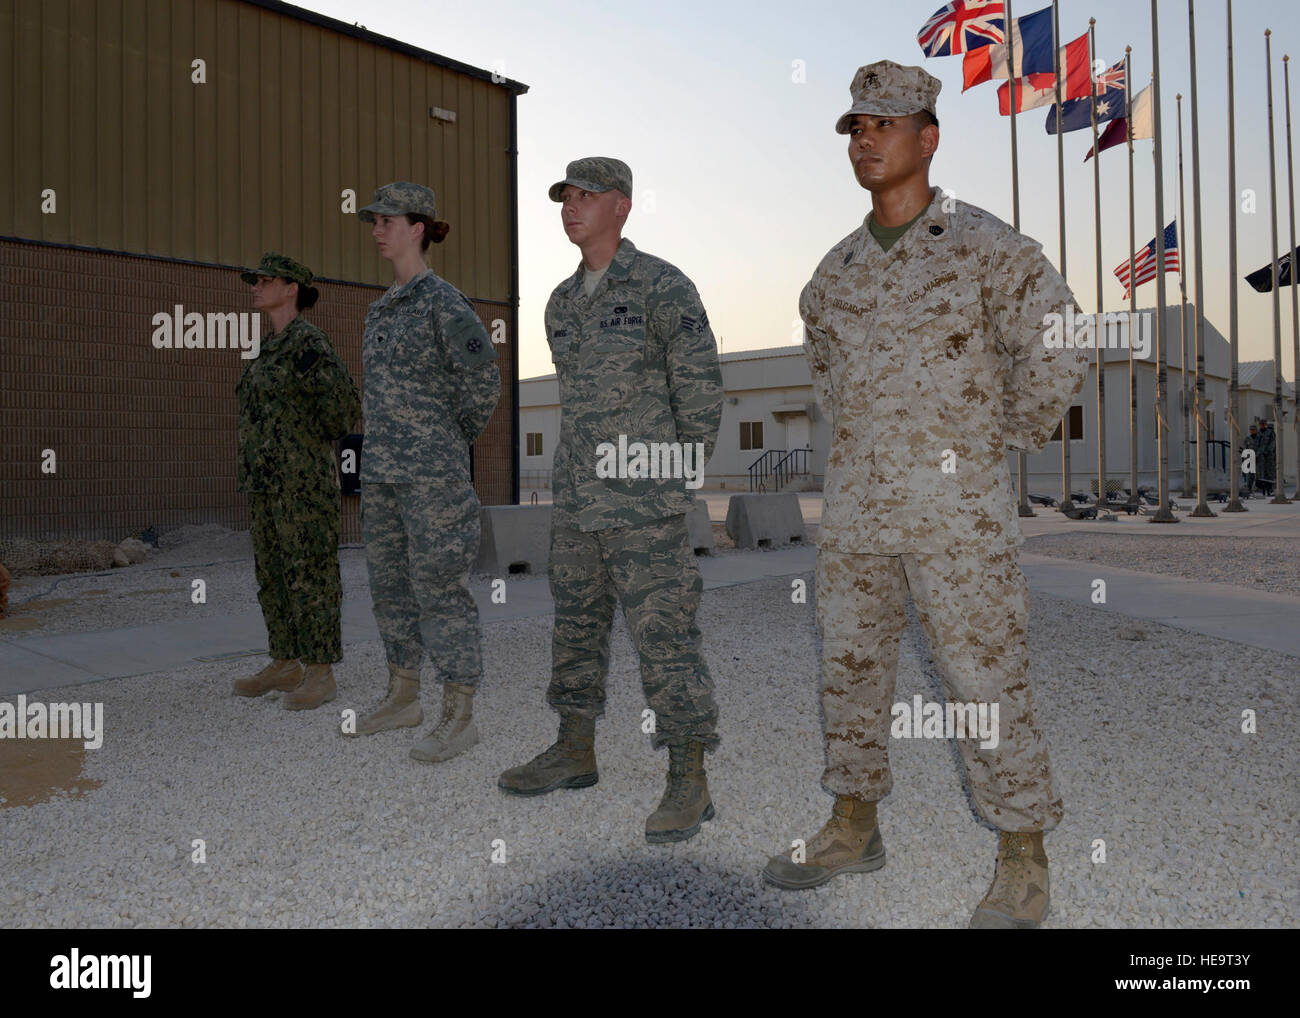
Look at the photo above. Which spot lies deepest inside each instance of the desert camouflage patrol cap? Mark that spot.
(887, 89)
(278, 267)
(595, 173)
(398, 199)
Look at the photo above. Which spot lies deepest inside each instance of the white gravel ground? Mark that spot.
(1260, 563)
(305, 828)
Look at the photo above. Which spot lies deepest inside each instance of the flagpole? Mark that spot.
(1022, 467)
(1102, 501)
(1201, 509)
(1278, 494)
(1295, 321)
(1234, 394)
(1163, 514)
(1182, 314)
(1279, 497)
(1067, 502)
(1132, 315)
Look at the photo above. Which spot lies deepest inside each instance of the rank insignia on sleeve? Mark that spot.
(306, 359)
(473, 345)
(935, 230)
(696, 325)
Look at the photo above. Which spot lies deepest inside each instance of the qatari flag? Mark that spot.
(1116, 132)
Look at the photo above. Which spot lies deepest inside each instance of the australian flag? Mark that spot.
(1262, 279)
(961, 26)
(1077, 114)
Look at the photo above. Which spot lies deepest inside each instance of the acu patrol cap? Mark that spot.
(595, 173)
(278, 266)
(887, 89)
(400, 198)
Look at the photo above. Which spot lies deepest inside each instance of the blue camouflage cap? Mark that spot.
(595, 173)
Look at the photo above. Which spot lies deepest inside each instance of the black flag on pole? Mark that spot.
(1262, 279)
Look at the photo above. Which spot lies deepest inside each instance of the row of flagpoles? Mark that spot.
(1040, 71)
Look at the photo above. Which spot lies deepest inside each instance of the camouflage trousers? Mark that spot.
(972, 607)
(421, 542)
(650, 569)
(296, 562)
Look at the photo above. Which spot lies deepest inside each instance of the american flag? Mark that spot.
(961, 26)
(1144, 262)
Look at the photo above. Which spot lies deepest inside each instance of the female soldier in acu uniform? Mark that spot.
(430, 386)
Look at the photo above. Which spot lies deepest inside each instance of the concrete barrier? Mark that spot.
(514, 539)
(765, 521)
(701, 528)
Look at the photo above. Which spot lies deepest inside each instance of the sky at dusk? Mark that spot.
(741, 181)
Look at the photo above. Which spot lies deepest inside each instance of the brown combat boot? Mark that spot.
(570, 762)
(279, 674)
(399, 709)
(849, 843)
(686, 802)
(456, 732)
(1018, 897)
(317, 687)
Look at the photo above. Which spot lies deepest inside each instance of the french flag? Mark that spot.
(1032, 38)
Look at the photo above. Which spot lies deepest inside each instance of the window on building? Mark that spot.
(534, 442)
(1076, 426)
(751, 434)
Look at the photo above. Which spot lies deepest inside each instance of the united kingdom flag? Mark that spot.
(961, 26)
(1112, 77)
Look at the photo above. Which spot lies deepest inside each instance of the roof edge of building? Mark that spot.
(387, 42)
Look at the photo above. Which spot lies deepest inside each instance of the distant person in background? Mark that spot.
(1267, 458)
(295, 399)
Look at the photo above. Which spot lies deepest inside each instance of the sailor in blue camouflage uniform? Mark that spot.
(295, 399)
(637, 367)
(430, 385)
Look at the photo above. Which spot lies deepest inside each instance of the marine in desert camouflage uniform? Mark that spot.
(295, 399)
(430, 385)
(636, 359)
(925, 337)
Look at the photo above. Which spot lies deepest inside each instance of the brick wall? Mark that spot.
(144, 436)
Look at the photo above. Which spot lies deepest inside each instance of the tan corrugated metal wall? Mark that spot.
(101, 107)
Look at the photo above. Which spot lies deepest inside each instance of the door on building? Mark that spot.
(796, 432)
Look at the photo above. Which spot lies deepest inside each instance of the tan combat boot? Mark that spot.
(279, 674)
(399, 709)
(456, 732)
(317, 687)
(1018, 897)
(686, 802)
(570, 762)
(849, 843)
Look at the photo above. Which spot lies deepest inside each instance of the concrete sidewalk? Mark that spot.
(1255, 618)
